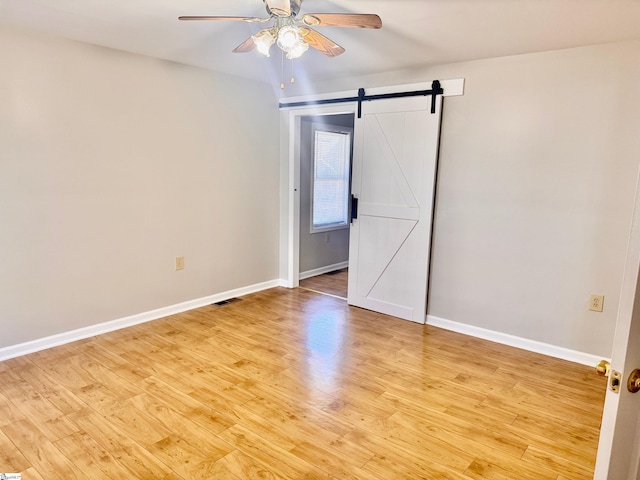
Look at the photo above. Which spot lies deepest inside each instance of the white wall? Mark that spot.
(538, 174)
(538, 168)
(111, 165)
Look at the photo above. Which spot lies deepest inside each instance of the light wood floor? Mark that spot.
(334, 283)
(296, 385)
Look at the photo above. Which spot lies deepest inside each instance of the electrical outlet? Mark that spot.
(596, 303)
(179, 263)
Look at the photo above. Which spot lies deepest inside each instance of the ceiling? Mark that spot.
(414, 33)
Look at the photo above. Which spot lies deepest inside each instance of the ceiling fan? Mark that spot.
(293, 34)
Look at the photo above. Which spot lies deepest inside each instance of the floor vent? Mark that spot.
(227, 302)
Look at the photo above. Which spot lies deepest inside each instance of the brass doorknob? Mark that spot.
(603, 368)
(633, 384)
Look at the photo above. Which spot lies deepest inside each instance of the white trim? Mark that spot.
(293, 232)
(513, 341)
(292, 193)
(322, 270)
(346, 175)
(32, 346)
(452, 88)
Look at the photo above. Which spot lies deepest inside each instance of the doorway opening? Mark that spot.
(325, 156)
(333, 283)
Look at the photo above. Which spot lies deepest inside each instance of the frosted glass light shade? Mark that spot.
(288, 37)
(297, 50)
(263, 40)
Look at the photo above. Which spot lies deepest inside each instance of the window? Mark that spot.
(330, 182)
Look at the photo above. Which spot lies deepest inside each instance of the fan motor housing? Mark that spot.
(282, 8)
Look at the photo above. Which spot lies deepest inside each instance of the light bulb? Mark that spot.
(288, 37)
(297, 50)
(263, 40)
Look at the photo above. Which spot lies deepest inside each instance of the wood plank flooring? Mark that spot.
(289, 384)
(333, 283)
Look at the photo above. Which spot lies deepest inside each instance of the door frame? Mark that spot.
(290, 118)
(290, 268)
(617, 456)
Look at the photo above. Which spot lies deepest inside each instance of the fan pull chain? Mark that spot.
(282, 76)
(293, 79)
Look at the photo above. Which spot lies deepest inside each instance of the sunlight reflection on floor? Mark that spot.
(325, 336)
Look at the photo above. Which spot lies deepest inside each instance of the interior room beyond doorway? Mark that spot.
(330, 283)
(324, 249)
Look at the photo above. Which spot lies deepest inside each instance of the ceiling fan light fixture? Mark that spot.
(291, 32)
(263, 40)
(289, 37)
(297, 50)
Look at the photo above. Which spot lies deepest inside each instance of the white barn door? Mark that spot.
(394, 164)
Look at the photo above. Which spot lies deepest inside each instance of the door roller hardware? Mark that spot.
(603, 368)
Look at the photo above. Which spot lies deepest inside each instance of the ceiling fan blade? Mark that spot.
(353, 20)
(245, 46)
(221, 17)
(320, 42)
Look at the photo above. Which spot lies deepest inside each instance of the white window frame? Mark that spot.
(323, 127)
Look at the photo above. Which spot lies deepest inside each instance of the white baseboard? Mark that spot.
(518, 342)
(32, 346)
(323, 270)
